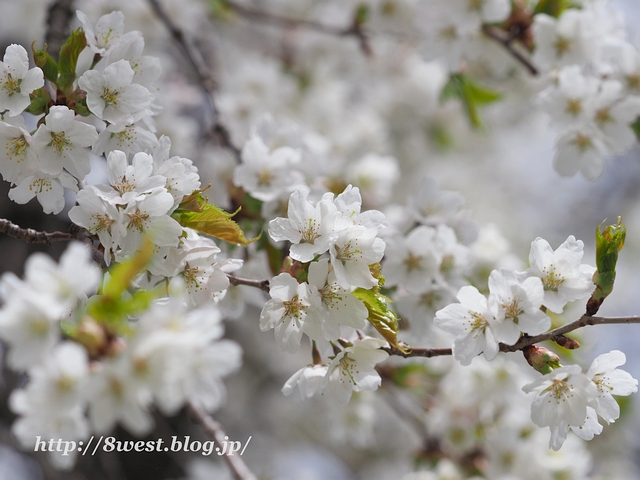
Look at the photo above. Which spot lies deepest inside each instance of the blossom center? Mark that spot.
(347, 367)
(59, 142)
(551, 281)
(17, 148)
(265, 177)
(294, 308)
(413, 262)
(558, 389)
(574, 106)
(11, 85)
(40, 185)
(562, 46)
(346, 252)
(512, 310)
(110, 96)
(137, 220)
(310, 231)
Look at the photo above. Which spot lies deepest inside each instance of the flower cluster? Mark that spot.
(568, 399)
(323, 307)
(76, 364)
(517, 300)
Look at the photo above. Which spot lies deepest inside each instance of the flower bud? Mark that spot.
(608, 243)
(541, 359)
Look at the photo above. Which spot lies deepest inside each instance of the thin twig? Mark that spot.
(261, 284)
(215, 431)
(59, 16)
(354, 30)
(507, 43)
(30, 235)
(556, 335)
(205, 79)
(583, 321)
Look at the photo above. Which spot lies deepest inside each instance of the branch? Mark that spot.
(261, 284)
(205, 80)
(556, 335)
(559, 332)
(59, 16)
(354, 30)
(507, 43)
(215, 431)
(30, 235)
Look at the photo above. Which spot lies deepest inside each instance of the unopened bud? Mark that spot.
(608, 243)
(541, 359)
(566, 342)
(92, 336)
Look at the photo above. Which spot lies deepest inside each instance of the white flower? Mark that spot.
(337, 305)
(309, 380)
(99, 217)
(609, 380)
(287, 312)
(561, 41)
(30, 329)
(52, 404)
(17, 81)
(130, 138)
(48, 189)
(564, 278)
(119, 394)
(148, 214)
(614, 114)
(571, 100)
(413, 261)
(349, 204)
(472, 322)
(68, 281)
(61, 141)
(129, 181)
(581, 149)
(181, 177)
(515, 302)
(310, 229)
(107, 33)
(562, 397)
(265, 174)
(112, 97)
(353, 369)
(351, 254)
(17, 157)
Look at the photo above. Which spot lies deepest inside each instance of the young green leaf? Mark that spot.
(197, 213)
(384, 320)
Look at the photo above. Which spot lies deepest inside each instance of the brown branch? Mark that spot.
(507, 43)
(261, 284)
(215, 431)
(205, 79)
(30, 235)
(556, 335)
(353, 30)
(59, 16)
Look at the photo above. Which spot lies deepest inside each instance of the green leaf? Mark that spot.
(40, 100)
(384, 320)
(609, 242)
(361, 14)
(553, 8)
(472, 95)
(204, 217)
(114, 303)
(123, 273)
(46, 62)
(68, 60)
(635, 126)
